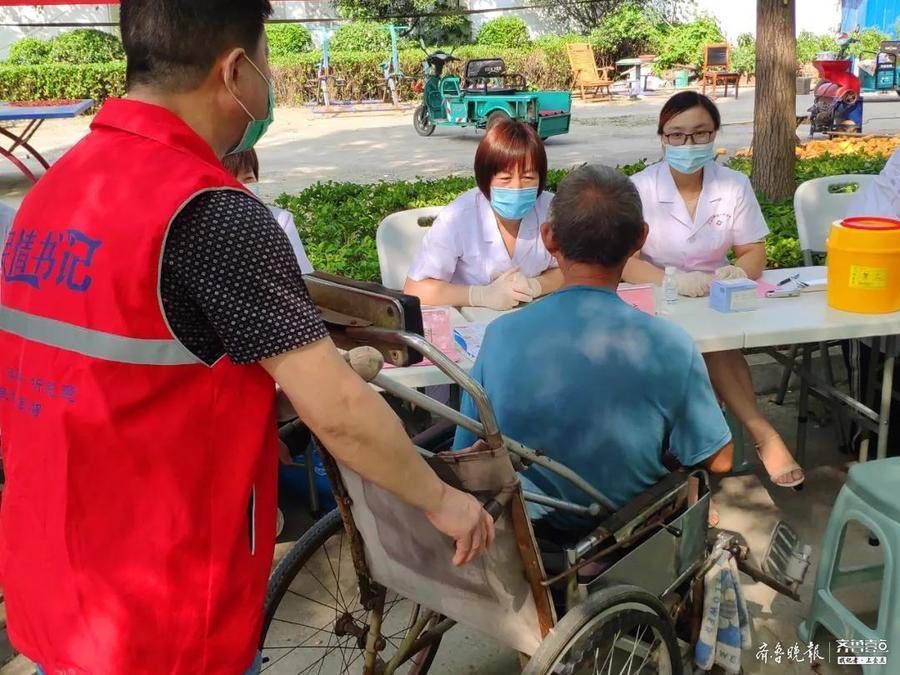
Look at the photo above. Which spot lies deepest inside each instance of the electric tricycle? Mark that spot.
(485, 93)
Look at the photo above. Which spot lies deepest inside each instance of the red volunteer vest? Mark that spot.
(138, 520)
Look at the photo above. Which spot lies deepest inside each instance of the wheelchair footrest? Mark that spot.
(787, 558)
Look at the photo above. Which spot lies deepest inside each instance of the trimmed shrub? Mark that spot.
(504, 31)
(86, 45)
(98, 81)
(286, 39)
(29, 51)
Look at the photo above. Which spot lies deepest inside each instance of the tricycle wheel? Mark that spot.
(422, 121)
(622, 629)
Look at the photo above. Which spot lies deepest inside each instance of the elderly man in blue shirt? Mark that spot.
(586, 378)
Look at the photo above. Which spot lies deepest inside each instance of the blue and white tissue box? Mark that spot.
(733, 295)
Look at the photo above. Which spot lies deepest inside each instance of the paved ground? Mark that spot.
(303, 147)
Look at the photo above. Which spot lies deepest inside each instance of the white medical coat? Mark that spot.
(464, 245)
(727, 215)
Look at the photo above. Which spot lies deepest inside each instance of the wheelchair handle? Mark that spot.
(446, 366)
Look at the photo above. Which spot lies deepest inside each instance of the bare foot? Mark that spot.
(779, 462)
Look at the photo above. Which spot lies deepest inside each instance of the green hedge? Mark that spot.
(286, 39)
(61, 81)
(545, 68)
(337, 221)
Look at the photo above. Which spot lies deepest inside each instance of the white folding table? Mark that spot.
(805, 319)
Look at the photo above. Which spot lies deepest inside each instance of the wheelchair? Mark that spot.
(370, 587)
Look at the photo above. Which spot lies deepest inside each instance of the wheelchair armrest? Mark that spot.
(621, 523)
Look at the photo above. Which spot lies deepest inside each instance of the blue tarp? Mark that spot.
(881, 14)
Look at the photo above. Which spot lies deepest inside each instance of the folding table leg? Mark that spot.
(837, 408)
(786, 377)
(803, 408)
(869, 395)
(887, 388)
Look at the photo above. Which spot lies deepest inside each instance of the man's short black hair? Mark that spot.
(596, 216)
(174, 43)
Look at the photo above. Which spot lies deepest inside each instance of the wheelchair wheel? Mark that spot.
(621, 629)
(313, 620)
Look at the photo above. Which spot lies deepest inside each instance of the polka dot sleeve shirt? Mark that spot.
(230, 283)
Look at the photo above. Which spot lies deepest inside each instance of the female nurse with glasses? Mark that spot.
(485, 247)
(698, 212)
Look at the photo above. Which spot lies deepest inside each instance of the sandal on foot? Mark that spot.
(785, 471)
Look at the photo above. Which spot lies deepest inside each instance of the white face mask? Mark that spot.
(253, 187)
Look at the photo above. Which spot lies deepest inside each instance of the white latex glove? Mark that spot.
(693, 284)
(534, 284)
(529, 286)
(730, 272)
(502, 293)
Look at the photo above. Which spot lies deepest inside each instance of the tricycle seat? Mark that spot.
(484, 89)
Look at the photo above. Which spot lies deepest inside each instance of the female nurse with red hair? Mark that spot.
(485, 248)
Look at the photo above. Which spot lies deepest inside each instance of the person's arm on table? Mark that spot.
(360, 430)
(751, 258)
(504, 292)
(639, 271)
(547, 282)
(437, 292)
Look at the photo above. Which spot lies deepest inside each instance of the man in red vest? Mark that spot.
(147, 303)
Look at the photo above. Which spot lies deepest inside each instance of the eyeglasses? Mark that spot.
(697, 138)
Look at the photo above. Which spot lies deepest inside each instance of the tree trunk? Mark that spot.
(774, 117)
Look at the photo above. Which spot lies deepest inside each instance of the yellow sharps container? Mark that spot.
(864, 265)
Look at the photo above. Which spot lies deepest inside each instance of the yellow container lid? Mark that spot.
(866, 234)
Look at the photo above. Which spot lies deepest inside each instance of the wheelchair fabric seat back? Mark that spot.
(498, 593)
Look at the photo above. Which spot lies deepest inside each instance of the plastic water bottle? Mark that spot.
(670, 285)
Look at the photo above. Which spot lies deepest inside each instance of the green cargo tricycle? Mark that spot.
(486, 93)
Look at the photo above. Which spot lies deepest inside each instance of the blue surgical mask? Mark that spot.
(255, 128)
(513, 203)
(689, 158)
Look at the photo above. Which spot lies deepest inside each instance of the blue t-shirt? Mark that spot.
(598, 385)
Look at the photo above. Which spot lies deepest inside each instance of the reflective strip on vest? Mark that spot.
(94, 343)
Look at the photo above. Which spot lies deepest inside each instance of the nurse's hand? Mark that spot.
(693, 284)
(504, 292)
(730, 272)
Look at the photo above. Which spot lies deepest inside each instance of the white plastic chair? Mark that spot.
(397, 240)
(816, 209)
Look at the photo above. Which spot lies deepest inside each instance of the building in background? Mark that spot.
(881, 14)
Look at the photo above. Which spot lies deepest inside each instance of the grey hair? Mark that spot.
(596, 216)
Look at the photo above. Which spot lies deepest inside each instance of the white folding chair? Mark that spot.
(817, 204)
(817, 207)
(397, 240)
